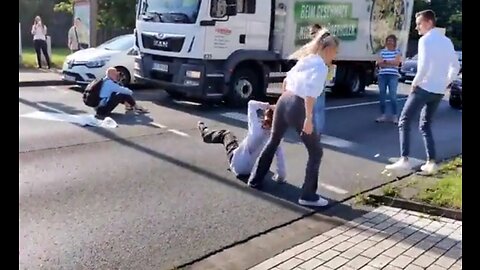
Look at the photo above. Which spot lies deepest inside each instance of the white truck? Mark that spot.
(236, 50)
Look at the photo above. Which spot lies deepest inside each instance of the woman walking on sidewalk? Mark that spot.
(388, 75)
(304, 83)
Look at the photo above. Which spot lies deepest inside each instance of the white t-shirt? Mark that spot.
(307, 78)
(38, 32)
(437, 64)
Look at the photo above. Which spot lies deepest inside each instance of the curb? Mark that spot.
(43, 83)
(418, 207)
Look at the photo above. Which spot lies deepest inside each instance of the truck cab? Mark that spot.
(193, 48)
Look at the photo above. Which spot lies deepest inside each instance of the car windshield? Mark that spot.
(169, 11)
(121, 43)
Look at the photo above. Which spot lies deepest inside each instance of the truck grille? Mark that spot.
(160, 42)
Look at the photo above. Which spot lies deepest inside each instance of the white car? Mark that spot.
(84, 66)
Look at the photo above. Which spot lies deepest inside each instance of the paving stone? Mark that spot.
(380, 261)
(311, 264)
(290, 264)
(401, 261)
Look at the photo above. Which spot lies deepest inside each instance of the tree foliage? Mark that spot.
(449, 16)
(114, 14)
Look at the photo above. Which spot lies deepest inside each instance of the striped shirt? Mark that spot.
(389, 55)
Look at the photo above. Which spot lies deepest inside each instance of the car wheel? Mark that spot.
(455, 102)
(124, 76)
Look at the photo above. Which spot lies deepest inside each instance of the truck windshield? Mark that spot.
(169, 11)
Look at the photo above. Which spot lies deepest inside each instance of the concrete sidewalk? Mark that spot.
(386, 238)
(35, 77)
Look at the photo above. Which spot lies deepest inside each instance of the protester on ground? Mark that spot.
(388, 62)
(77, 36)
(242, 157)
(304, 83)
(112, 94)
(39, 32)
(438, 66)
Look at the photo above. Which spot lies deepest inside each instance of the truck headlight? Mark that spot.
(193, 74)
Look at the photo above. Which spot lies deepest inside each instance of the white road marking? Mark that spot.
(356, 105)
(158, 125)
(81, 119)
(328, 140)
(236, 116)
(183, 134)
(334, 189)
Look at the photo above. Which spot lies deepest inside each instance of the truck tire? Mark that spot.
(357, 82)
(243, 86)
(349, 82)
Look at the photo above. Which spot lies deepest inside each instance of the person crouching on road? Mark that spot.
(242, 157)
(112, 94)
(304, 83)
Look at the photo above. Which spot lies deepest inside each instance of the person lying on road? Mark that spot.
(242, 157)
(112, 94)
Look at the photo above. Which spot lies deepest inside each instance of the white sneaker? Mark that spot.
(278, 179)
(401, 164)
(319, 203)
(430, 167)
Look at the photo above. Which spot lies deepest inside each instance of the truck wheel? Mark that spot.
(349, 82)
(355, 82)
(243, 87)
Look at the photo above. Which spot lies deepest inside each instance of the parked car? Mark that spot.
(87, 65)
(459, 54)
(455, 99)
(408, 69)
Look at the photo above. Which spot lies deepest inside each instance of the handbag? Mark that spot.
(81, 46)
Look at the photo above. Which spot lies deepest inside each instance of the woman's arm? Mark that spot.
(308, 124)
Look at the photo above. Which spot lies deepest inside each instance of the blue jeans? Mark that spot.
(390, 81)
(428, 103)
(319, 114)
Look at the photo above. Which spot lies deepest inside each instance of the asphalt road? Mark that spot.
(151, 195)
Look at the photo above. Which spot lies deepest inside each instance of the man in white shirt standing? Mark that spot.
(437, 68)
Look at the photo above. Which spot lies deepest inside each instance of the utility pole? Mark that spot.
(93, 22)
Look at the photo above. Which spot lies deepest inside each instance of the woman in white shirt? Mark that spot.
(304, 83)
(39, 32)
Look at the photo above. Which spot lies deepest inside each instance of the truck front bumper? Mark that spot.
(190, 78)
